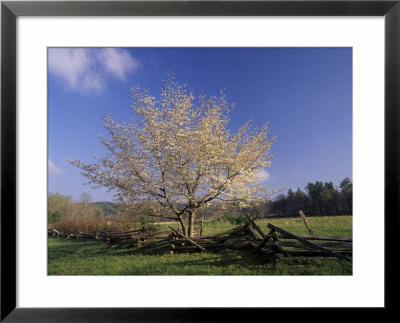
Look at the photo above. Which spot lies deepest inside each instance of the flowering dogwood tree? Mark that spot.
(181, 154)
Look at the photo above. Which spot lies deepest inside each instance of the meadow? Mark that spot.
(71, 257)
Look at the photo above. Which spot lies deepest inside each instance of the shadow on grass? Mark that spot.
(64, 248)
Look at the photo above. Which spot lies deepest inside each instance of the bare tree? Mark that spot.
(181, 154)
(85, 198)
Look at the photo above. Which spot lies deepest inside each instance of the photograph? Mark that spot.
(230, 161)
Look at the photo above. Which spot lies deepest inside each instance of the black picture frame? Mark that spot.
(10, 10)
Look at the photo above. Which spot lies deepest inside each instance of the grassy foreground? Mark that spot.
(68, 257)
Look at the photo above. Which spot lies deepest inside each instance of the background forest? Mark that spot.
(318, 199)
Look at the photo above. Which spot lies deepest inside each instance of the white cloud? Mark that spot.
(86, 69)
(53, 170)
(117, 61)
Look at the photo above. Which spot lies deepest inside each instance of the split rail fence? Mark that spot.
(277, 244)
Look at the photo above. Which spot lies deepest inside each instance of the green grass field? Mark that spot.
(70, 257)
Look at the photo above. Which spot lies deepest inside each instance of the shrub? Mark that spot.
(235, 219)
(148, 225)
(121, 224)
(80, 225)
(54, 217)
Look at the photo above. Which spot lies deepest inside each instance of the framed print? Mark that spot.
(336, 63)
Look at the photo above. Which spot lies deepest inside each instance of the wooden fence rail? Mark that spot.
(276, 244)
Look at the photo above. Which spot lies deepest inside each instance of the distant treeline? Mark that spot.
(320, 198)
(64, 213)
(108, 208)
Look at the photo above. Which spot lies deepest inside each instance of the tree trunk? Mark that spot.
(191, 223)
(184, 231)
(202, 226)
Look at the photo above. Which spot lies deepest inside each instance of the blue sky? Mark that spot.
(305, 94)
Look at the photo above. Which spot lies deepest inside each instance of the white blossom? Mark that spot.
(181, 154)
